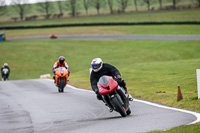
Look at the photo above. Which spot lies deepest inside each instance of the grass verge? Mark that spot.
(108, 30)
(182, 129)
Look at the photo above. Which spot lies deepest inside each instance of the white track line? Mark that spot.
(172, 108)
(153, 104)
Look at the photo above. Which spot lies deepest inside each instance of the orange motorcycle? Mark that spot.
(61, 76)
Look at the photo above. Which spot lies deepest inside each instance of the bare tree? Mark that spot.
(175, 3)
(46, 7)
(123, 4)
(86, 4)
(198, 2)
(21, 7)
(72, 5)
(110, 4)
(160, 3)
(148, 4)
(60, 7)
(135, 3)
(2, 7)
(98, 4)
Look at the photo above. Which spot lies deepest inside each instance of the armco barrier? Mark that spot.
(102, 24)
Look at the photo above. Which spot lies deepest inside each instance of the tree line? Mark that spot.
(22, 8)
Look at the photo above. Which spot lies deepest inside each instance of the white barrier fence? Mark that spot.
(45, 76)
(198, 82)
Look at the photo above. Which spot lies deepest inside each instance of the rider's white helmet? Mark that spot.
(5, 64)
(97, 64)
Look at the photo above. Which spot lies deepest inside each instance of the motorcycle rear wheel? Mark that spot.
(119, 107)
(128, 112)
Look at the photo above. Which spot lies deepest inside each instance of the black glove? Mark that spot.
(68, 73)
(121, 82)
(99, 97)
(96, 90)
(118, 78)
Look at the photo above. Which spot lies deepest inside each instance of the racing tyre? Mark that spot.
(119, 107)
(128, 112)
(62, 85)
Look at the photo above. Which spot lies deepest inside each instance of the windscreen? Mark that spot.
(104, 80)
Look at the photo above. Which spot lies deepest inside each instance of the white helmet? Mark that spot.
(5, 64)
(97, 64)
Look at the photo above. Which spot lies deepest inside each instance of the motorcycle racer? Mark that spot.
(100, 69)
(5, 71)
(60, 63)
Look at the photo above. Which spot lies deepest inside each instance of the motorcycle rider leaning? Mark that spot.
(5, 69)
(60, 63)
(100, 69)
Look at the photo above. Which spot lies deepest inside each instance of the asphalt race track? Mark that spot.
(131, 37)
(35, 106)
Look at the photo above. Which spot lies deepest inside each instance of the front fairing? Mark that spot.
(108, 88)
(61, 72)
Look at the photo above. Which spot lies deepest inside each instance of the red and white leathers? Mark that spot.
(57, 65)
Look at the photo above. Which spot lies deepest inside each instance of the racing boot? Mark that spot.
(129, 95)
(109, 108)
(54, 79)
(123, 85)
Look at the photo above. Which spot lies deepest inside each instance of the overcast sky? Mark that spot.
(30, 1)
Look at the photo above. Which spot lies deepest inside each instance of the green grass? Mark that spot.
(166, 16)
(182, 129)
(108, 30)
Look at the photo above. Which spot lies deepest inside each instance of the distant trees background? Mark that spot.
(76, 8)
(21, 7)
(198, 2)
(160, 3)
(60, 7)
(123, 4)
(110, 5)
(72, 7)
(2, 7)
(86, 4)
(98, 4)
(175, 2)
(148, 4)
(136, 7)
(46, 7)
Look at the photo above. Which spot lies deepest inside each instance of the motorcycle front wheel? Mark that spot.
(119, 107)
(61, 85)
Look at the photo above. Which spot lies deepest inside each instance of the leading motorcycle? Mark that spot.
(61, 76)
(5, 74)
(114, 96)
